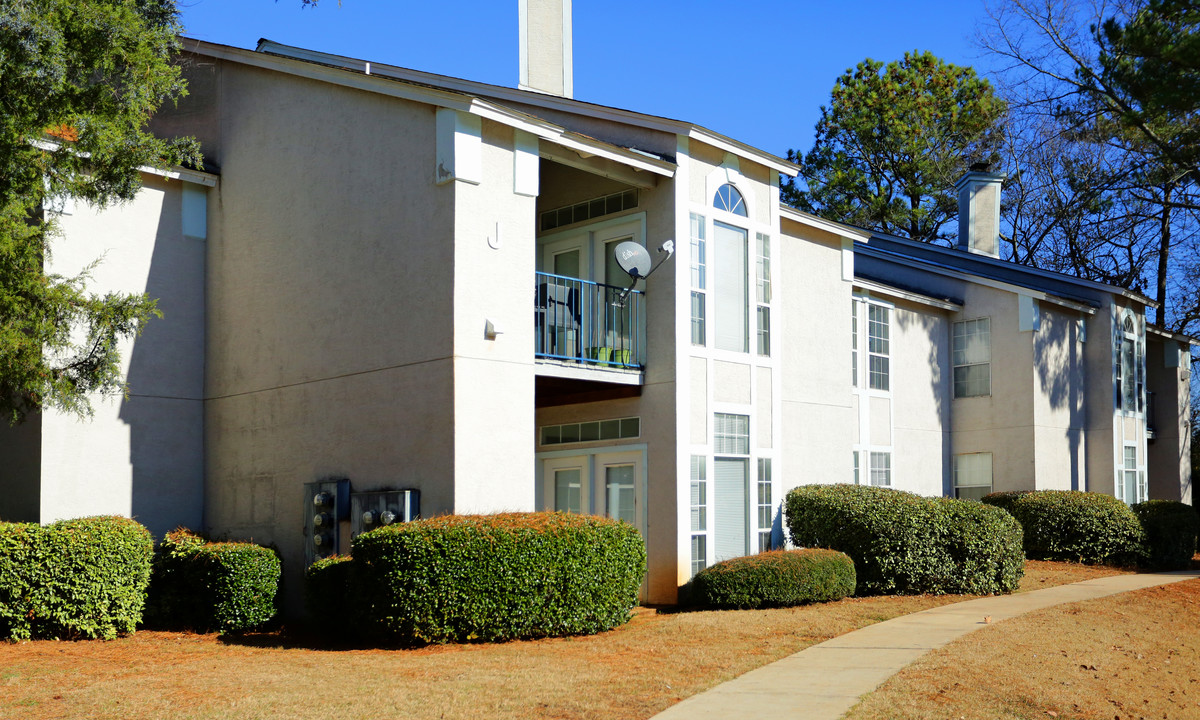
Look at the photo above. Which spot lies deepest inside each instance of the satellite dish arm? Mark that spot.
(667, 247)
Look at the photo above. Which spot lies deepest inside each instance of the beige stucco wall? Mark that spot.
(493, 379)
(1058, 386)
(141, 455)
(331, 278)
(1000, 423)
(920, 391)
(819, 421)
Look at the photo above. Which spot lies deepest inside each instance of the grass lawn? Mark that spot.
(631, 672)
(1134, 655)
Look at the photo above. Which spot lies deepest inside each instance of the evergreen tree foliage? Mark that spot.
(892, 142)
(79, 80)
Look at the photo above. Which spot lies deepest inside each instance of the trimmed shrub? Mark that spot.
(327, 588)
(903, 543)
(74, 579)
(775, 579)
(204, 586)
(1171, 528)
(1077, 526)
(497, 577)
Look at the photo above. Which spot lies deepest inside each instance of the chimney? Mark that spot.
(546, 46)
(979, 210)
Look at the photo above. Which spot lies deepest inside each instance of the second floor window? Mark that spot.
(878, 347)
(1129, 368)
(972, 357)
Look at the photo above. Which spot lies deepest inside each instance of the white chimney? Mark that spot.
(979, 210)
(546, 46)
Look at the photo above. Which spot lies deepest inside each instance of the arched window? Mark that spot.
(729, 199)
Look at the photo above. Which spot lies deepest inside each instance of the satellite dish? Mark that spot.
(633, 259)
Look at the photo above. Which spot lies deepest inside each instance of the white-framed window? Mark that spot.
(699, 280)
(1129, 368)
(699, 512)
(972, 357)
(881, 469)
(1131, 483)
(856, 478)
(854, 354)
(766, 505)
(763, 292)
(878, 347)
(731, 434)
(972, 476)
(730, 281)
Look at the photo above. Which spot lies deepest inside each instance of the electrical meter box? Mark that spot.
(326, 503)
(370, 510)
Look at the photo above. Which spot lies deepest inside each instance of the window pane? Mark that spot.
(972, 380)
(973, 475)
(728, 198)
(619, 492)
(732, 299)
(567, 490)
(1128, 391)
(731, 434)
(631, 427)
(879, 373)
(699, 262)
(763, 244)
(610, 429)
(698, 317)
(881, 469)
(699, 553)
(764, 331)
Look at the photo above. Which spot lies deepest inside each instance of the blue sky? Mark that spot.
(757, 71)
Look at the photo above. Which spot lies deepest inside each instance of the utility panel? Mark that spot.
(326, 503)
(371, 510)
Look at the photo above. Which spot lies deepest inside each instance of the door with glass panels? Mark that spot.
(609, 484)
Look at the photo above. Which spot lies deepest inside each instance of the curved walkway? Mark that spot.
(826, 680)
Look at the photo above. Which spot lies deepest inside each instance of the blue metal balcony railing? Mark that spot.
(585, 322)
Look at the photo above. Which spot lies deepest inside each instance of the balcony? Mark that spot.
(584, 331)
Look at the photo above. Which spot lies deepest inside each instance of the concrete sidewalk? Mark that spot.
(824, 681)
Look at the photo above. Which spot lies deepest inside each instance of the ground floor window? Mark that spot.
(972, 476)
(699, 512)
(881, 469)
(1131, 479)
(766, 505)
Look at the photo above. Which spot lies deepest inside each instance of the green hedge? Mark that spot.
(1171, 528)
(775, 579)
(497, 577)
(1075, 526)
(327, 591)
(903, 543)
(74, 579)
(205, 586)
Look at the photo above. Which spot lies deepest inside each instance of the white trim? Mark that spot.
(791, 213)
(887, 290)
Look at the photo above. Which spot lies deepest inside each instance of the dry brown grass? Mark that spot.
(1134, 655)
(632, 672)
